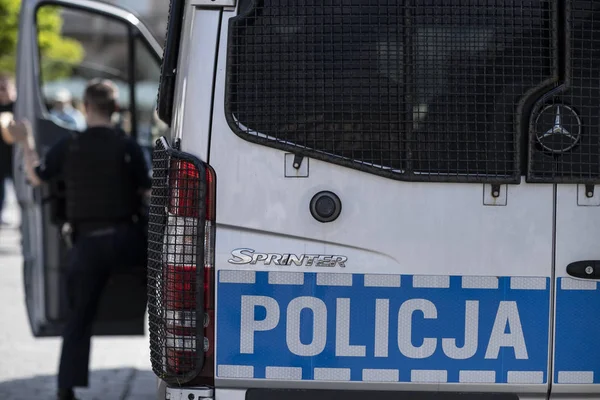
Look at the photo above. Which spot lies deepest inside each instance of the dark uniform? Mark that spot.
(104, 173)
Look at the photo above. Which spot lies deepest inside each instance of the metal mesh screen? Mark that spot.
(175, 248)
(565, 127)
(156, 228)
(413, 90)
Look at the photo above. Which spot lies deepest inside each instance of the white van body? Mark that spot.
(444, 275)
(447, 286)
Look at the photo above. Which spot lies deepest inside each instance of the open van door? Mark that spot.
(96, 40)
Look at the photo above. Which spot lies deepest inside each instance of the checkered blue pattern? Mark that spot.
(299, 319)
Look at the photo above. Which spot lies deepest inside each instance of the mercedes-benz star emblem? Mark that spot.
(558, 128)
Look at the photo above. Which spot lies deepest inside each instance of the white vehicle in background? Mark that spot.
(367, 199)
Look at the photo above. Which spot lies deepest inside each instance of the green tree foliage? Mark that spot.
(58, 53)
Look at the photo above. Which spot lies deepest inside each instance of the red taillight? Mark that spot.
(180, 362)
(180, 269)
(185, 185)
(180, 287)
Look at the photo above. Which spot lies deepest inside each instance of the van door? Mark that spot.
(576, 321)
(572, 156)
(62, 44)
(375, 230)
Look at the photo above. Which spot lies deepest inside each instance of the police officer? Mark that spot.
(106, 178)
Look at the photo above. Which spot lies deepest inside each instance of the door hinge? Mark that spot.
(213, 3)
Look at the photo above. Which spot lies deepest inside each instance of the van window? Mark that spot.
(147, 77)
(420, 91)
(92, 46)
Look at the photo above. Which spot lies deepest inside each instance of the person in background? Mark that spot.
(8, 96)
(107, 184)
(64, 111)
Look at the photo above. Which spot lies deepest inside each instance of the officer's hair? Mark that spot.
(101, 95)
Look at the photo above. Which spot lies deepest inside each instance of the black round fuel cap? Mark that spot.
(325, 206)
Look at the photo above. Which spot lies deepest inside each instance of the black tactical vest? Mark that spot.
(98, 178)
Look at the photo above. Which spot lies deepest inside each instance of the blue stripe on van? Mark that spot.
(577, 342)
(356, 327)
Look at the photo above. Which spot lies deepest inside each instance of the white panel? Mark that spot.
(325, 279)
(236, 371)
(440, 282)
(521, 283)
(479, 282)
(524, 377)
(286, 373)
(332, 374)
(237, 277)
(576, 377)
(382, 280)
(577, 284)
(428, 376)
(381, 375)
(286, 278)
(477, 376)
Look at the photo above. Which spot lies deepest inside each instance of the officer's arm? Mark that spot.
(21, 132)
(5, 120)
(32, 161)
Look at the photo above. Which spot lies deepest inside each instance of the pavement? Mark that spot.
(120, 366)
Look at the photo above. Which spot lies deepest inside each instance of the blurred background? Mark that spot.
(75, 46)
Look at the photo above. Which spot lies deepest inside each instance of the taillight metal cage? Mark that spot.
(161, 341)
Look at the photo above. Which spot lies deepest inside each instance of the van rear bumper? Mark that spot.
(278, 394)
(185, 393)
(199, 393)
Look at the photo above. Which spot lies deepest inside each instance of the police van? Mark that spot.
(360, 199)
